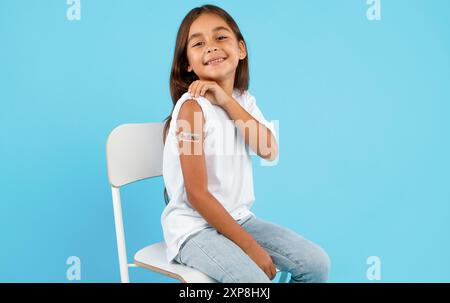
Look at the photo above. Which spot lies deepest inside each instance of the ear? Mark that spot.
(242, 50)
(189, 68)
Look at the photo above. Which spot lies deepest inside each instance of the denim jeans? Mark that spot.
(220, 258)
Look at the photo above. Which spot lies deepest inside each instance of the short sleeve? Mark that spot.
(205, 106)
(252, 108)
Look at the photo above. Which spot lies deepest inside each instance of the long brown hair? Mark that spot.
(180, 78)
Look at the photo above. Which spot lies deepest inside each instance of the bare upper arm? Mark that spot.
(190, 124)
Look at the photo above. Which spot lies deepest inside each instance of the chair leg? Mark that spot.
(120, 236)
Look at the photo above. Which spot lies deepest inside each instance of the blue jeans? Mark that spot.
(220, 258)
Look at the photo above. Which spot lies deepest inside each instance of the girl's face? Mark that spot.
(211, 38)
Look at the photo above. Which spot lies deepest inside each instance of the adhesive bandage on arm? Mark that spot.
(189, 137)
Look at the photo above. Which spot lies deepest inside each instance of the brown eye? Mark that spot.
(224, 37)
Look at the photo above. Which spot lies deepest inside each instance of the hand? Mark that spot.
(262, 259)
(210, 90)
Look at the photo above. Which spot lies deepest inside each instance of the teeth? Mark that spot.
(217, 60)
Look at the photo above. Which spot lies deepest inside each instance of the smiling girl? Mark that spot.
(207, 222)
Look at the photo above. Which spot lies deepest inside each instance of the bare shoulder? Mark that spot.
(190, 128)
(188, 109)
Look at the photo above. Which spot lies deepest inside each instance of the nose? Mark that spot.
(212, 49)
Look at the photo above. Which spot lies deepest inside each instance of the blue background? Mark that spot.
(363, 110)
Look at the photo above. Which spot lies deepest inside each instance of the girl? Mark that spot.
(207, 170)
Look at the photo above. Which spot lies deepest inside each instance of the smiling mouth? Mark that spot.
(215, 62)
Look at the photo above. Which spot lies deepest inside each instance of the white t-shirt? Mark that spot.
(228, 165)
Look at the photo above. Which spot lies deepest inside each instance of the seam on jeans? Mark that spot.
(195, 233)
(299, 277)
(215, 261)
(275, 249)
(287, 256)
(302, 268)
(182, 246)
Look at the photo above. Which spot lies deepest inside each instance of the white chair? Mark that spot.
(134, 152)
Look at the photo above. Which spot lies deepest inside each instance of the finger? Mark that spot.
(192, 87)
(272, 270)
(269, 273)
(274, 273)
(198, 88)
(204, 89)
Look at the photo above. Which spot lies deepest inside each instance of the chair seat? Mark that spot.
(153, 257)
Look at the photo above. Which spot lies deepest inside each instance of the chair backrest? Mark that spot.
(134, 152)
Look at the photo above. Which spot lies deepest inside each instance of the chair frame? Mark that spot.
(119, 174)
